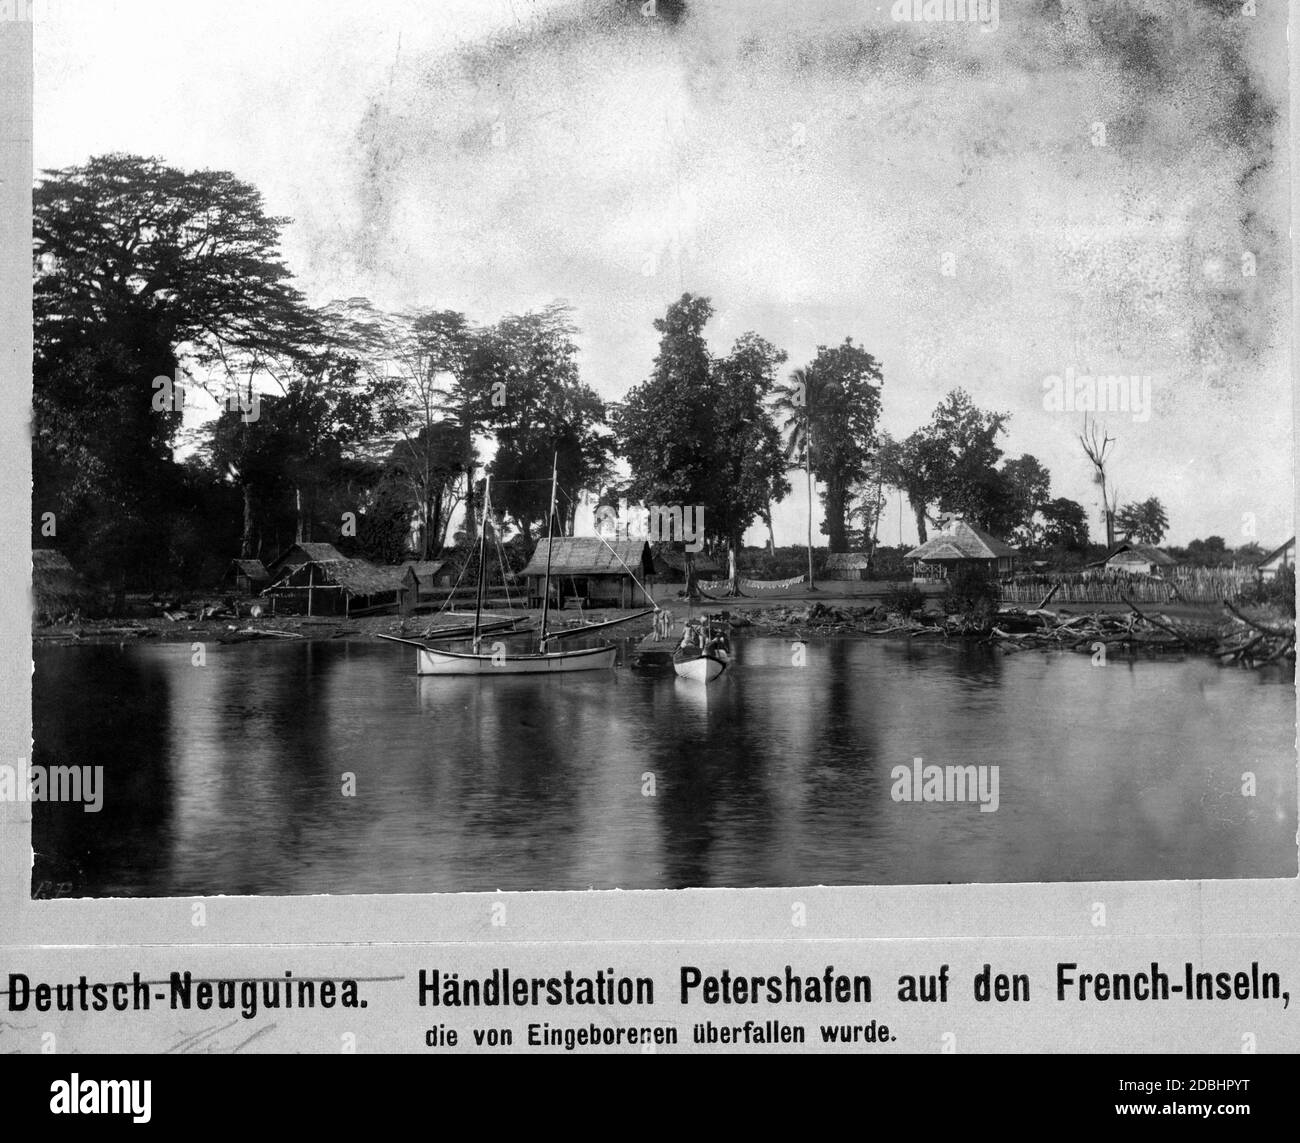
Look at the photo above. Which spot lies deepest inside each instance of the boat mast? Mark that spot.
(550, 521)
(482, 560)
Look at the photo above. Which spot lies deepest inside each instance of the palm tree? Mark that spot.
(793, 405)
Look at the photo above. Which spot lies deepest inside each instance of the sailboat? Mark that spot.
(440, 661)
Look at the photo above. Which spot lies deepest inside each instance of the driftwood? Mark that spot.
(1270, 631)
(1190, 645)
(1229, 639)
(1245, 642)
(248, 633)
(1285, 647)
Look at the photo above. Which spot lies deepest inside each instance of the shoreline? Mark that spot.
(1204, 631)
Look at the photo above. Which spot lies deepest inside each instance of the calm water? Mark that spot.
(227, 778)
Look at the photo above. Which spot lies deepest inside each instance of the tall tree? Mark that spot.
(840, 395)
(419, 360)
(954, 460)
(695, 433)
(868, 505)
(791, 405)
(1097, 445)
(1065, 524)
(749, 460)
(663, 423)
(1021, 486)
(908, 466)
(540, 411)
(963, 456)
(453, 349)
(138, 267)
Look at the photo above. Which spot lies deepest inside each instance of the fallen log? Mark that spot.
(1162, 626)
(1275, 632)
(1282, 650)
(1241, 649)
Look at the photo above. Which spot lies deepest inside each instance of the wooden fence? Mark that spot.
(1034, 593)
(1195, 585)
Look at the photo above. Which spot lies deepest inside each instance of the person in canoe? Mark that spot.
(691, 641)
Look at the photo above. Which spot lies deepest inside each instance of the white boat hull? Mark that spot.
(704, 668)
(433, 661)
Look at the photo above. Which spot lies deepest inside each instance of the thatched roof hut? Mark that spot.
(246, 576)
(590, 569)
(420, 579)
(57, 588)
(296, 555)
(1136, 559)
(960, 545)
(340, 586)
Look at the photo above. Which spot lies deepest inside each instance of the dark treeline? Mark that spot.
(347, 424)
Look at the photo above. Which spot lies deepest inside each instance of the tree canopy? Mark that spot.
(829, 410)
(697, 432)
(1145, 522)
(139, 267)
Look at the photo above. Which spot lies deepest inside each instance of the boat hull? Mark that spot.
(435, 661)
(701, 668)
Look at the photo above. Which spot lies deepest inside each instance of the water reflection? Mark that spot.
(332, 768)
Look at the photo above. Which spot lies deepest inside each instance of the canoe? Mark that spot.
(701, 668)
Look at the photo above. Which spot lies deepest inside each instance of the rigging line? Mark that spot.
(446, 602)
(482, 562)
(644, 590)
(505, 580)
(615, 554)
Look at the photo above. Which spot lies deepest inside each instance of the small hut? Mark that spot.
(960, 545)
(421, 579)
(1276, 560)
(245, 577)
(296, 555)
(336, 587)
(670, 565)
(1136, 559)
(591, 570)
(847, 565)
(57, 588)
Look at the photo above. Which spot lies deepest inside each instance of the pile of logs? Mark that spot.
(1236, 639)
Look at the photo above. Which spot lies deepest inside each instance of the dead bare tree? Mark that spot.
(1097, 446)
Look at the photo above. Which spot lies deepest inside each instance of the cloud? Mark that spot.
(1079, 187)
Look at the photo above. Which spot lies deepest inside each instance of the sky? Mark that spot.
(1079, 189)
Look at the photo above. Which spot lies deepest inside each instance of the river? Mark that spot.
(329, 767)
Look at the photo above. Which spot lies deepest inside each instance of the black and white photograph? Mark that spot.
(593, 445)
